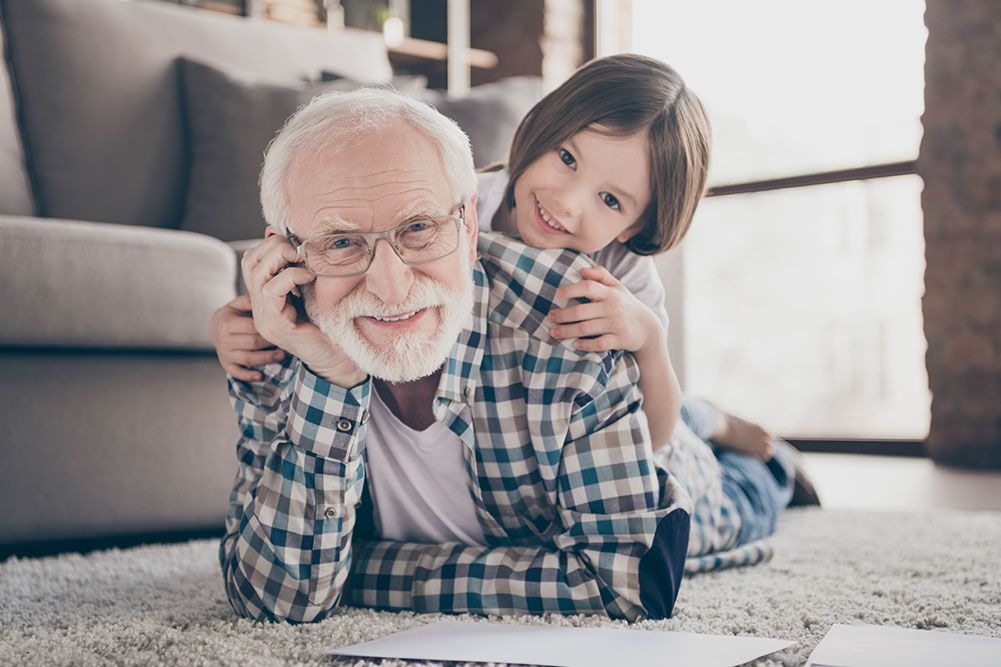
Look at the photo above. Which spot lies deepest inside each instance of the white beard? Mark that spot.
(410, 356)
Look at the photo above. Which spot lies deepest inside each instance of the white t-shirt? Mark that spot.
(637, 273)
(418, 481)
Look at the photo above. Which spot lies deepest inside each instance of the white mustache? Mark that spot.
(424, 293)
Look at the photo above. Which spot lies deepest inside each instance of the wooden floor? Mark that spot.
(896, 483)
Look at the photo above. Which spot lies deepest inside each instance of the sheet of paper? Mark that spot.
(471, 641)
(878, 646)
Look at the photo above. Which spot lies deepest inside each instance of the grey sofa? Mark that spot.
(114, 417)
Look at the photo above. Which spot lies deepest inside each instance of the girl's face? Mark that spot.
(591, 190)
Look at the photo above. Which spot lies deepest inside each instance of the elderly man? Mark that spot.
(428, 445)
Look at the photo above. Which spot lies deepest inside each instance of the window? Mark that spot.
(802, 304)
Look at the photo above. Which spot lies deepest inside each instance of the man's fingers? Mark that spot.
(274, 261)
(281, 285)
(582, 311)
(253, 256)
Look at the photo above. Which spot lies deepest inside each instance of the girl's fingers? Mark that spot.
(247, 342)
(585, 289)
(245, 358)
(599, 274)
(237, 325)
(243, 374)
(241, 303)
(595, 327)
(582, 311)
(599, 344)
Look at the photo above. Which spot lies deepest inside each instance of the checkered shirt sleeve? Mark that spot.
(286, 552)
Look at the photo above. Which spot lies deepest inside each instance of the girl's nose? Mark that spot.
(570, 201)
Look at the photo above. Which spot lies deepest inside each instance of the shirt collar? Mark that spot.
(461, 372)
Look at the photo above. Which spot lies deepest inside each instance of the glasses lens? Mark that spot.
(337, 255)
(427, 240)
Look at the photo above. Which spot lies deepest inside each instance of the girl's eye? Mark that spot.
(611, 201)
(567, 158)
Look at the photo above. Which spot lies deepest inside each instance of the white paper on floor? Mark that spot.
(472, 641)
(878, 646)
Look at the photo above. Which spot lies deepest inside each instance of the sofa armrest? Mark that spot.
(88, 285)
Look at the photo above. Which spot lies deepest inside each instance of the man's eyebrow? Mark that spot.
(335, 225)
(419, 209)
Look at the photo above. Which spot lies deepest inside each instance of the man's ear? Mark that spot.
(472, 226)
(270, 231)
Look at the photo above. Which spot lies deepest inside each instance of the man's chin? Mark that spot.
(403, 359)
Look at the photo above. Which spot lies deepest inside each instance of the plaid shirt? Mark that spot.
(578, 515)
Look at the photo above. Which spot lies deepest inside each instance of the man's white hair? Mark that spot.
(336, 117)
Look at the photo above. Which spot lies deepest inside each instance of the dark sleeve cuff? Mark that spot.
(663, 566)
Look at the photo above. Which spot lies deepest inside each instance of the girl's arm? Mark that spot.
(614, 319)
(661, 389)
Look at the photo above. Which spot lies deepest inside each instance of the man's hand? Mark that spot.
(613, 318)
(274, 277)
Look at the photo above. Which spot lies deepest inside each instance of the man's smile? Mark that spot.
(401, 320)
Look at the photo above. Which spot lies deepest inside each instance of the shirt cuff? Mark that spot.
(267, 391)
(326, 419)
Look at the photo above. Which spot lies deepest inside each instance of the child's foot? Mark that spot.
(743, 436)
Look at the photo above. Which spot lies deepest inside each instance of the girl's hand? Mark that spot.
(613, 319)
(237, 342)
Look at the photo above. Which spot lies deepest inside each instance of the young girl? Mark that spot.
(613, 164)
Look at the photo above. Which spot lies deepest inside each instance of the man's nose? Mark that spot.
(388, 278)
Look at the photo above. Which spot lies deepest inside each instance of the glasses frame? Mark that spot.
(373, 238)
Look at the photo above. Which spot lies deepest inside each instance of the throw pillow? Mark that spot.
(232, 116)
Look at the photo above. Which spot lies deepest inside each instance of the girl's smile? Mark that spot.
(587, 192)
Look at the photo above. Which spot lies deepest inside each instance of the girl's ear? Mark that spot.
(630, 231)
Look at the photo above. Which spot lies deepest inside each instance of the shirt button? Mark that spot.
(470, 392)
(364, 417)
(329, 513)
(343, 425)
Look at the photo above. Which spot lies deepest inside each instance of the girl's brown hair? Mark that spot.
(622, 95)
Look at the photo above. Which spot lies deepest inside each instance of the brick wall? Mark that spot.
(960, 163)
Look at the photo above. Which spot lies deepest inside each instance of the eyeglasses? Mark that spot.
(417, 241)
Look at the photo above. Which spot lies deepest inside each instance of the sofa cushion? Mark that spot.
(98, 94)
(231, 118)
(74, 284)
(15, 193)
(489, 113)
(232, 115)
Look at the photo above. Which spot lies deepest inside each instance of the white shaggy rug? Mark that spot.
(165, 604)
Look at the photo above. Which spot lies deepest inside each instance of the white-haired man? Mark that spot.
(427, 445)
